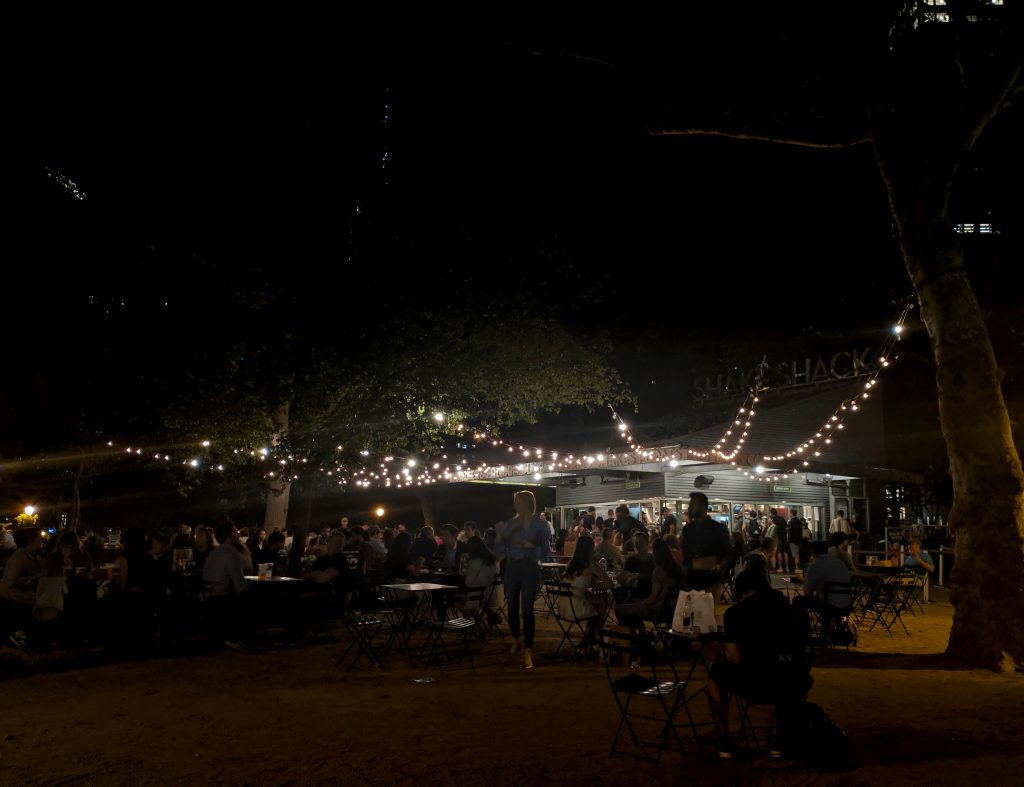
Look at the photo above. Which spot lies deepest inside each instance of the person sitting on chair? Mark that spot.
(837, 549)
(824, 568)
(583, 574)
(666, 582)
(764, 657)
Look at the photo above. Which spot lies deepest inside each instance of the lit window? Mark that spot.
(985, 229)
(935, 2)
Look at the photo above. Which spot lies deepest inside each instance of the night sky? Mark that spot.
(398, 160)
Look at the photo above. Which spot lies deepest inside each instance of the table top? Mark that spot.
(420, 587)
(691, 634)
(274, 579)
(552, 565)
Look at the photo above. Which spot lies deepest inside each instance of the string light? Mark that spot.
(537, 460)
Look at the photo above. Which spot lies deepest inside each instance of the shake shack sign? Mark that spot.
(790, 374)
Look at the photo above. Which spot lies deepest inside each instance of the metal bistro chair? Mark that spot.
(571, 624)
(890, 602)
(639, 682)
(435, 650)
(841, 596)
(361, 628)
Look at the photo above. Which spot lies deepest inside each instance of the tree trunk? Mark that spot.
(427, 507)
(279, 490)
(987, 516)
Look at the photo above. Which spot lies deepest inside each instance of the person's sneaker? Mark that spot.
(20, 641)
(774, 749)
(723, 747)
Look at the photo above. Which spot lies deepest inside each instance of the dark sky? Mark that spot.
(453, 149)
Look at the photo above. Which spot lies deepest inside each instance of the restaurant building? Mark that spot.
(850, 474)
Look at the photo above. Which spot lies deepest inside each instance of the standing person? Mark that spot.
(796, 535)
(626, 524)
(669, 525)
(782, 539)
(551, 527)
(753, 530)
(840, 524)
(525, 539)
(706, 546)
(589, 518)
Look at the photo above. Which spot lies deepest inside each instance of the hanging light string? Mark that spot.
(741, 424)
(812, 448)
(393, 471)
(624, 430)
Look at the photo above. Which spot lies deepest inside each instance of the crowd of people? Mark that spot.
(131, 589)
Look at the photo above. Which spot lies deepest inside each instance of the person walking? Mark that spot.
(525, 539)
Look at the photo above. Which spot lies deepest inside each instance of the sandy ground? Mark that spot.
(288, 717)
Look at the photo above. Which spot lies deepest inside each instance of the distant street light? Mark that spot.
(379, 512)
(30, 510)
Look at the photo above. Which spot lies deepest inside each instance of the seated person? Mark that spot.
(258, 547)
(358, 547)
(18, 586)
(917, 560)
(607, 551)
(824, 568)
(224, 578)
(401, 565)
(666, 582)
(837, 549)
(481, 571)
(641, 563)
(584, 574)
(275, 554)
(330, 580)
(425, 545)
(764, 658)
(445, 556)
(760, 560)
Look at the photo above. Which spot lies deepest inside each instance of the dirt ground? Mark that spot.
(288, 717)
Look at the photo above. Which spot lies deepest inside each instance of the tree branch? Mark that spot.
(777, 140)
(1013, 90)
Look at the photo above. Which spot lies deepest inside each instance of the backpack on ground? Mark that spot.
(844, 632)
(814, 738)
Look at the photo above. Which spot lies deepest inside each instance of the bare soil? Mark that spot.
(289, 717)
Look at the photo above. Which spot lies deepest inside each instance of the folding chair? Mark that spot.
(396, 611)
(889, 602)
(434, 649)
(362, 629)
(683, 656)
(642, 684)
(570, 624)
(841, 597)
(915, 588)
